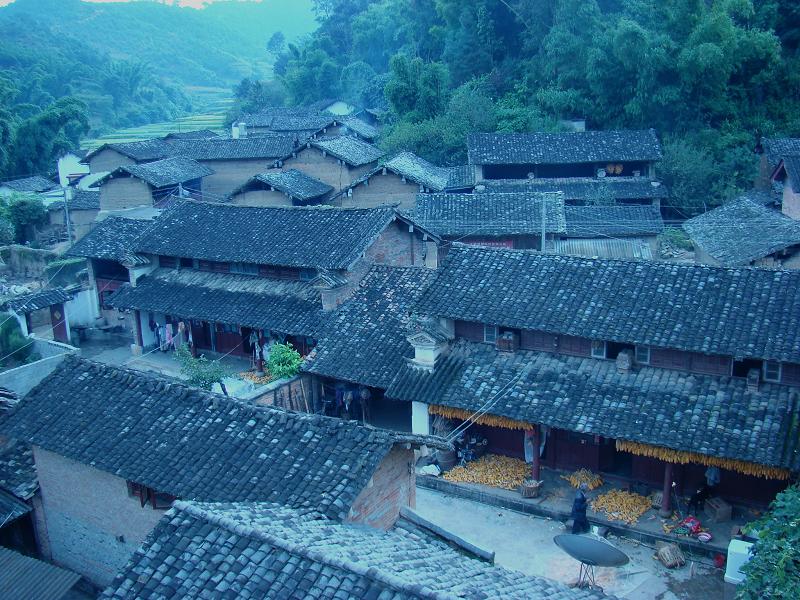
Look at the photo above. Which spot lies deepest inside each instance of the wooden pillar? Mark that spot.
(260, 342)
(138, 328)
(536, 462)
(666, 499)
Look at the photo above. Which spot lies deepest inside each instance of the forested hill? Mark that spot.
(710, 76)
(68, 67)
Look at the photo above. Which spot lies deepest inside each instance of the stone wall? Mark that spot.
(391, 487)
(90, 524)
(26, 262)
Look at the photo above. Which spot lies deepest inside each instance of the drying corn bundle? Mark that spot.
(620, 505)
(251, 376)
(493, 470)
(491, 420)
(681, 457)
(584, 476)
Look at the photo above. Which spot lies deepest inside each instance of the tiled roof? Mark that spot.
(11, 509)
(274, 552)
(26, 577)
(349, 149)
(742, 231)
(361, 128)
(791, 163)
(199, 134)
(85, 200)
(111, 239)
(310, 122)
(489, 214)
(28, 303)
(462, 176)
(251, 148)
(734, 312)
(197, 445)
(282, 306)
(312, 237)
(584, 188)
(776, 148)
(169, 171)
(715, 416)
(364, 341)
(419, 170)
(35, 184)
(613, 221)
(294, 183)
(563, 148)
(631, 248)
(141, 151)
(17, 471)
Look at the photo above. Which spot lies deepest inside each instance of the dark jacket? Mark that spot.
(579, 506)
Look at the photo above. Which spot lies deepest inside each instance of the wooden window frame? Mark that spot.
(765, 368)
(495, 333)
(593, 346)
(639, 357)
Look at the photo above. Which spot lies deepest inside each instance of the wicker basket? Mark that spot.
(530, 489)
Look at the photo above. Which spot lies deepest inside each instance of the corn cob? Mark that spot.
(620, 505)
(496, 471)
(584, 476)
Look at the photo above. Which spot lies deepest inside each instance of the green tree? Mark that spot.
(284, 361)
(24, 212)
(200, 371)
(15, 348)
(774, 569)
(416, 90)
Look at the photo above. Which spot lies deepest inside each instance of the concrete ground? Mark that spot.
(525, 543)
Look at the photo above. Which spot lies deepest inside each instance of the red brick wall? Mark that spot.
(397, 247)
(391, 487)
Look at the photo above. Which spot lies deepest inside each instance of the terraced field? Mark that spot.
(215, 102)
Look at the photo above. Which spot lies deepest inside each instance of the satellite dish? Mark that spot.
(591, 551)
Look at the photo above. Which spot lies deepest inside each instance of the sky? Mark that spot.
(190, 3)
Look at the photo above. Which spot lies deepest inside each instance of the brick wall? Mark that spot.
(82, 221)
(325, 168)
(262, 198)
(790, 202)
(392, 486)
(87, 520)
(383, 189)
(397, 247)
(124, 192)
(108, 160)
(230, 174)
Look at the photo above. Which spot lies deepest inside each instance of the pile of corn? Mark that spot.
(251, 376)
(493, 470)
(622, 506)
(584, 476)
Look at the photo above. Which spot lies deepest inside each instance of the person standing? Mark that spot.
(580, 524)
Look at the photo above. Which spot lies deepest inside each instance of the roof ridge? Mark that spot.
(354, 567)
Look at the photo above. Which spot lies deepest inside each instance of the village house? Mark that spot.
(746, 232)
(53, 300)
(114, 448)
(282, 188)
(151, 185)
(76, 215)
(110, 157)
(355, 125)
(192, 266)
(28, 185)
(645, 370)
(336, 161)
(299, 122)
(400, 179)
(107, 250)
(771, 151)
(787, 174)
(582, 164)
(514, 220)
(277, 552)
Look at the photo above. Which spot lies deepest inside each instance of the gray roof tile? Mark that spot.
(25, 577)
(776, 148)
(584, 188)
(35, 184)
(621, 220)
(17, 471)
(111, 239)
(294, 183)
(28, 303)
(742, 231)
(166, 172)
(349, 149)
(735, 312)
(563, 148)
(273, 552)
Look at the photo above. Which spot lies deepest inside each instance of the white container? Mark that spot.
(738, 555)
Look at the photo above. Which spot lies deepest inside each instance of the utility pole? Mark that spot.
(67, 197)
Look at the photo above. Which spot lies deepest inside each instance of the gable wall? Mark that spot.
(398, 247)
(84, 511)
(382, 189)
(108, 160)
(790, 202)
(124, 192)
(325, 168)
(391, 487)
(230, 174)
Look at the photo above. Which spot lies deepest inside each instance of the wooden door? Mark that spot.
(58, 319)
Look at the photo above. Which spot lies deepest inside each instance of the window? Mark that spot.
(598, 349)
(643, 355)
(772, 371)
(490, 334)
(244, 268)
(158, 500)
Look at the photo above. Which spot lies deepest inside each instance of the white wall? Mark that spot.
(69, 164)
(420, 421)
(83, 308)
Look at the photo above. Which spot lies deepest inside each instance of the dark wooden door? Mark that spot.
(58, 319)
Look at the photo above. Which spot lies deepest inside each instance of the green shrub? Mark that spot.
(14, 346)
(284, 361)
